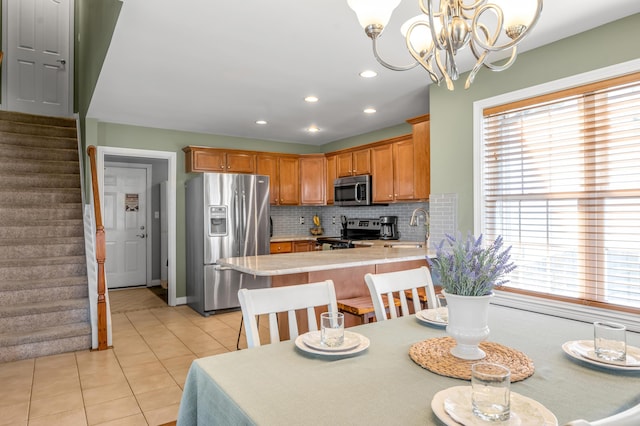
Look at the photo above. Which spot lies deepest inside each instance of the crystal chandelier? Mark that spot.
(491, 28)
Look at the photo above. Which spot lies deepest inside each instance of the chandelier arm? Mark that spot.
(429, 12)
(388, 65)
(443, 71)
(474, 71)
(510, 61)
(423, 58)
(514, 41)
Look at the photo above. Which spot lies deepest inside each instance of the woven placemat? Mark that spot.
(434, 355)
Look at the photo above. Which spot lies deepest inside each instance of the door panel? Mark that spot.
(38, 56)
(125, 226)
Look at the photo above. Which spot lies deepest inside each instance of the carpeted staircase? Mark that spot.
(44, 305)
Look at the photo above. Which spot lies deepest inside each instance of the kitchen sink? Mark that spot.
(405, 244)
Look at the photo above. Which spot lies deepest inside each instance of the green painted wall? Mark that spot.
(378, 135)
(452, 114)
(95, 21)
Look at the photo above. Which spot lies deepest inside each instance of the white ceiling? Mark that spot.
(216, 67)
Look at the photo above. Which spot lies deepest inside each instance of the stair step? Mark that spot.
(39, 180)
(38, 248)
(44, 294)
(42, 228)
(59, 212)
(69, 330)
(49, 267)
(9, 151)
(48, 342)
(26, 318)
(42, 284)
(19, 165)
(39, 196)
(37, 129)
(45, 120)
(37, 141)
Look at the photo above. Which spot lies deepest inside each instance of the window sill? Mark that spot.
(565, 310)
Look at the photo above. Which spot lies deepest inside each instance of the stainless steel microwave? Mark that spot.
(352, 191)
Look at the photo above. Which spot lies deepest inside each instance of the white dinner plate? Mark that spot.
(362, 345)
(430, 316)
(312, 339)
(453, 407)
(583, 350)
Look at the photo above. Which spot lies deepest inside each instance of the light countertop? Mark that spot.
(320, 260)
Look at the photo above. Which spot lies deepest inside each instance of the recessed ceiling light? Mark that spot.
(368, 74)
(311, 99)
(313, 129)
(261, 122)
(369, 110)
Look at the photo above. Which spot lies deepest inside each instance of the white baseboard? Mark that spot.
(565, 310)
(181, 300)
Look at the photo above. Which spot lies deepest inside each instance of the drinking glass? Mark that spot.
(490, 391)
(332, 329)
(610, 341)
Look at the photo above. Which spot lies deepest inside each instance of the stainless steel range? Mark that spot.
(353, 229)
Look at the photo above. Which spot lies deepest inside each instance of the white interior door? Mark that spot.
(38, 59)
(125, 225)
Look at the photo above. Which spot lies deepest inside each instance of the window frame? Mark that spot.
(517, 299)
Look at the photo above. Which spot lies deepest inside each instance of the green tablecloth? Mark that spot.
(281, 385)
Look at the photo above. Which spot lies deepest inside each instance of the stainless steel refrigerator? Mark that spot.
(227, 215)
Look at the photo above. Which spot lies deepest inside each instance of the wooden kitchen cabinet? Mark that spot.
(281, 247)
(421, 131)
(331, 175)
(204, 159)
(352, 163)
(284, 178)
(304, 245)
(392, 169)
(312, 180)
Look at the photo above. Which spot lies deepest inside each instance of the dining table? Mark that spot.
(281, 384)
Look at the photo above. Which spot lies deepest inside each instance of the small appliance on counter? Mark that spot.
(389, 228)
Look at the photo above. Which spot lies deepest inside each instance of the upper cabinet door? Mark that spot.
(268, 165)
(240, 163)
(332, 174)
(382, 171)
(289, 181)
(362, 162)
(312, 180)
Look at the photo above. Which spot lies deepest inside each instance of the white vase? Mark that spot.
(468, 324)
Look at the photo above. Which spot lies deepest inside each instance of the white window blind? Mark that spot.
(561, 184)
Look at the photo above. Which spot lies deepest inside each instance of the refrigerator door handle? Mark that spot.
(222, 268)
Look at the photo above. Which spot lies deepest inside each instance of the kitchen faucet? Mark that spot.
(415, 219)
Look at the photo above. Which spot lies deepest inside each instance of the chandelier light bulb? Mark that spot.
(420, 37)
(373, 13)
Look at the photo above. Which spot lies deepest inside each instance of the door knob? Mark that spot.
(141, 235)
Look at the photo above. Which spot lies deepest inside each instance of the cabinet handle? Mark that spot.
(228, 167)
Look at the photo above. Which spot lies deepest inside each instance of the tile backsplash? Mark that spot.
(286, 219)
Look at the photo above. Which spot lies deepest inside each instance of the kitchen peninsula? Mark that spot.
(346, 268)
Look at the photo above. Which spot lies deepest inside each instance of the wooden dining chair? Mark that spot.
(274, 300)
(395, 285)
(629, 417)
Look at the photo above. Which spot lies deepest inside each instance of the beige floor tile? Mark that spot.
(180, 377)
(101, 394)
(205, 346)
(16, 369)
(11, 395)
(144, 370)
(56, 361)
(56, 404)
(135, 420)
(159, 398)
(17, 413)
(53, 386)
(67, 418)
(97, 380)
(150, 383)
(171, 351)
(162, 415)
(133, 359)
(112, 410)
(179, 362)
